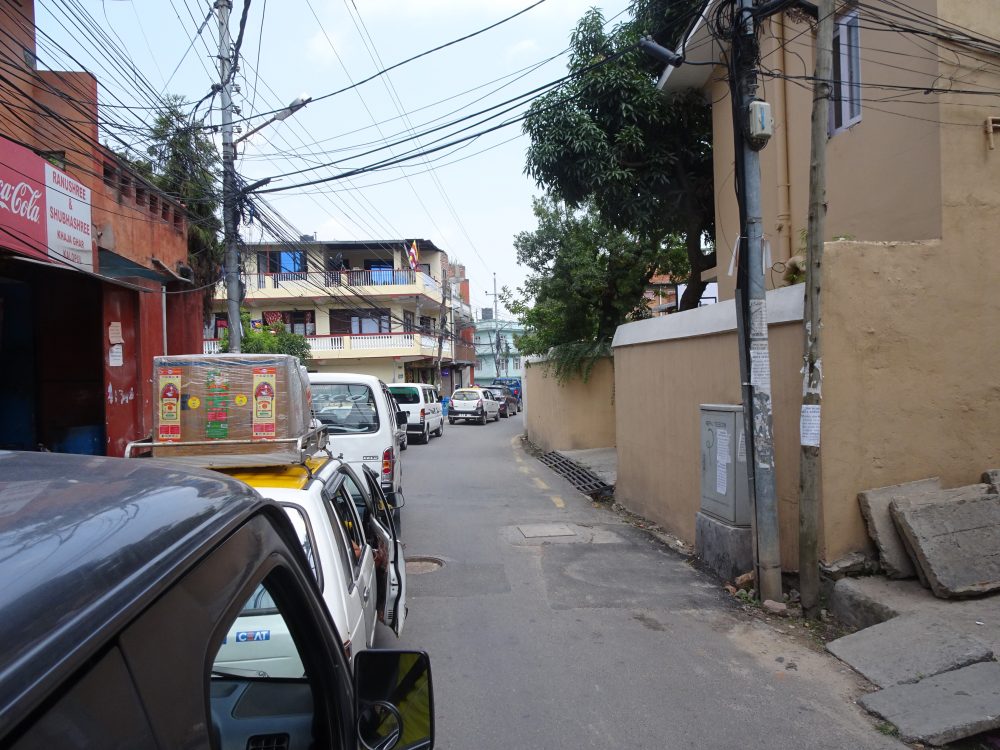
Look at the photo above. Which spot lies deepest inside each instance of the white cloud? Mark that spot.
(318, 49)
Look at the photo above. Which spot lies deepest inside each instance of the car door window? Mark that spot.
(345, 516)
(100, 706)
(240, 652)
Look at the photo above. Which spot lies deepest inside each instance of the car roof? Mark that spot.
(340, 378)
(413, 385)
(86, 543)
(287, 476)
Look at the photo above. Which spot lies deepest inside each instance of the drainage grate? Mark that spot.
(583, 479)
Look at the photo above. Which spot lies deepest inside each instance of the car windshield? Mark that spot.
(465, 396)
(405, 394)
(345, 407)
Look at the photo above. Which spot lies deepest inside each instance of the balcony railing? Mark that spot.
(332, 279)
(399, 343)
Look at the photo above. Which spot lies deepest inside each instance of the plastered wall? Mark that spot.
(573, 415)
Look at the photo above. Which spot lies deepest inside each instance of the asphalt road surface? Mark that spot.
(552, 623)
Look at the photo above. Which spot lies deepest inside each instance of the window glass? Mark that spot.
(259, 642)
(845, 103)
(341, 504)
(405, 394)
(345, 408)
(465, 396)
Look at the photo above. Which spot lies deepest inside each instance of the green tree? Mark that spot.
(638, 158)
(586, 278)
(184, 164)
(272, 338)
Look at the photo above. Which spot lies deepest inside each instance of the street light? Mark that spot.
(283, 114)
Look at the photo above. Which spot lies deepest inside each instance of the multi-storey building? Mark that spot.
(496, 350)
(359, 304)
(93, 281)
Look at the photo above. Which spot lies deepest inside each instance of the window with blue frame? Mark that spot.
(281, 261)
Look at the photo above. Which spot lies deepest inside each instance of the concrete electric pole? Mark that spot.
(755, 361)
(232, 257)
(812, 387)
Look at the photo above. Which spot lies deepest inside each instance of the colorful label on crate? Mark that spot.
(216, 406)
(169, 389)
(265, 380)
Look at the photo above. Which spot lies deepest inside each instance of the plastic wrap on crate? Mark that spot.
(228, 404)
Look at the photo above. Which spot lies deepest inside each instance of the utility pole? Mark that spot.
(755, 364)
(812, 390)
(232, 257)
(441, 313)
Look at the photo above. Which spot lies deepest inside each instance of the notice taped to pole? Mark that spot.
(760, 367)
(809, 425)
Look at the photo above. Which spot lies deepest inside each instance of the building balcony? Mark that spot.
(318, 285)
(408, 346)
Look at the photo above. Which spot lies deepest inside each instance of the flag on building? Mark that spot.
(413, 255)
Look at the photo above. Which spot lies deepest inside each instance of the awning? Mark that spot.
(73, 269)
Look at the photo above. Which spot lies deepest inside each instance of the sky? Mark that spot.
(471, 200)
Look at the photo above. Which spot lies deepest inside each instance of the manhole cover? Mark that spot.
(418, 565)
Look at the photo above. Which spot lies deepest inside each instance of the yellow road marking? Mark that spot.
(540, 484)
(557, 501)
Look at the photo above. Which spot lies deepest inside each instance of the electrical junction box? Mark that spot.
(724, 483)
(761, 121)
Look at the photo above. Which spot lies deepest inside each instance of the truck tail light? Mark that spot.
(387, 462)
(423, 414)
(348, 649)
(479, 404)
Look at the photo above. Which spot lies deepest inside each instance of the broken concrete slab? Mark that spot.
(908, 649)
(992, 478)
(955, 542)
(943, 708)
(875, 509)
(853, 564)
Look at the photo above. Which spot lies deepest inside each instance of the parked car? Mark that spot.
(123, 578)
(515, 385)
(423, 408)
(506, 398)
(363, 424)
(476, 404)
(347, 531)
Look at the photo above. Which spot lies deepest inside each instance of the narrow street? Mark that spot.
(597, 638)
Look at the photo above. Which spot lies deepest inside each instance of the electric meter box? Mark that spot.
(761, 121)
(724, 483)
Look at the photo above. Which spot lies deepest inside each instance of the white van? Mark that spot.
(362, 423)
(423, 408)
(353, 548)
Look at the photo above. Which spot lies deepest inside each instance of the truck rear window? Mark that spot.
(405, 394)
(465, 396)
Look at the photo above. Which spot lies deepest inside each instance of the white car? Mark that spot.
(476, 404)
(350, 540)
(362, 425)
(423, 408)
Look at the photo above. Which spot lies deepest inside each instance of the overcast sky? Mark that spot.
(474, 200)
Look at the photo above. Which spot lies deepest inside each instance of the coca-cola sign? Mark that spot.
(44, 213)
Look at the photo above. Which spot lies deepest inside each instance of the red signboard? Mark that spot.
(23, 226)
(44, 213)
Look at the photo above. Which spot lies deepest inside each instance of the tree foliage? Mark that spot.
(610, 141)
(586, 278)
(184, 164)
(272, 338)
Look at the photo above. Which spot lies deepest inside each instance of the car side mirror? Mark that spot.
(394, 699)
(401, 419)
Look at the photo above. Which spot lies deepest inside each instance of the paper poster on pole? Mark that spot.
(721, 460)
(741, 448)
(809, 425)
(115, 333)
(760, 367)
(116, 355)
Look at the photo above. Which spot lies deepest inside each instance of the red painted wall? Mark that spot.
(122, 396)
